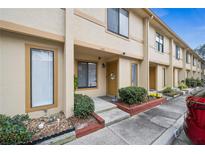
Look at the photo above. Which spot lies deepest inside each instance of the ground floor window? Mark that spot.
(164, 76)
(41, 78)
(87, 74)
(134, 75)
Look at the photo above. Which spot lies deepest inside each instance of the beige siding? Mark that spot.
(13, 76)
(155, 56)
(1, 73)
(90, 32)
(125, 72)
(49, 20)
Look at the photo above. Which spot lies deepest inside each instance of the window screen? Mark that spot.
(134, 75)
(87, 75)
(42, 69)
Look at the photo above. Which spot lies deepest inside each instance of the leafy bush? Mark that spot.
(191, 82)
(83, 106)
(199, 82)
(133, 95)
(170, 92)
(75, 83)
(167, 90)
(13, 130)
(182, 86)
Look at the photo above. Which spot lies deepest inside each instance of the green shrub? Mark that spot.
(167, 90)
(199, 82)
(13, 130)
(133, 95)
(191, 82)
(182, 86)
(83, 106)
(75, 83)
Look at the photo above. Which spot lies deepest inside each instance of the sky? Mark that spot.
(188, 23)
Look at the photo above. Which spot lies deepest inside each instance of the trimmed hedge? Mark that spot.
(133, 95)
(13, 130)
(191, 82)
(83, 106)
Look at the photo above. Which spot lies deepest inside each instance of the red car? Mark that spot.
(194, 123)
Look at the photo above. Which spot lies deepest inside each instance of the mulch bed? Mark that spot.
(137, 108)
(44, 127)
(57, 124)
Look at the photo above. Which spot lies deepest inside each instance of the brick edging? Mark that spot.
(92, 127)
(135, 109)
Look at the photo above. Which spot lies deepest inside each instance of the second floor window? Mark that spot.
(117, 21)
(187, 58)
(160, 43)
(177, 52)
(194, 61)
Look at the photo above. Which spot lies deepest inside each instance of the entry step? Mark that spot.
(113, 116)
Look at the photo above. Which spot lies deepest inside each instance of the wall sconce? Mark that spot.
(103, 65)
(99, 58)
(123, 53)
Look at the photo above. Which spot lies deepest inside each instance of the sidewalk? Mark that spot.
(155, 126)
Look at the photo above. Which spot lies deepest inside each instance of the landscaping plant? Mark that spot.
(133, 95)
(83, 106)
(155, 95)
(168, 91)
(13, 130)
(191, 82)
(182, 86)
(75, 83)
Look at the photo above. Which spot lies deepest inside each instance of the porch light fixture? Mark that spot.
(103, 65)
(123, 53)
(99, 58)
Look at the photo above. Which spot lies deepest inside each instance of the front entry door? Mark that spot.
(112, 78)
(152, 78)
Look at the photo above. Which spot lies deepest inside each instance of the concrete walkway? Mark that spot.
(155, 126)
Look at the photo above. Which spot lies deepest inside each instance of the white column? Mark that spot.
(68, 64)
(144, 75)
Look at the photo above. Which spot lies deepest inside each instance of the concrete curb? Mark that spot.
(169, 135)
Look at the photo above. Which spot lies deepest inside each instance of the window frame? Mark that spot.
(188, 57)
(194, 61)
(137, 82)
(118, 33)
(177, 52)
(158, 42)
(85, 61)
(164, 76)
(28, 105)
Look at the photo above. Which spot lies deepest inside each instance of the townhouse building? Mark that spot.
(41, 50)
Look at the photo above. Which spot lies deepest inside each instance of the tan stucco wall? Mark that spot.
(101, 75)
(98, 35)
(1, 72)
(13, 76)
(49, 20)
(125, 72)
(156, 56)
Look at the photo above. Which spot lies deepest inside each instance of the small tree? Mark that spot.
(75, 83)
